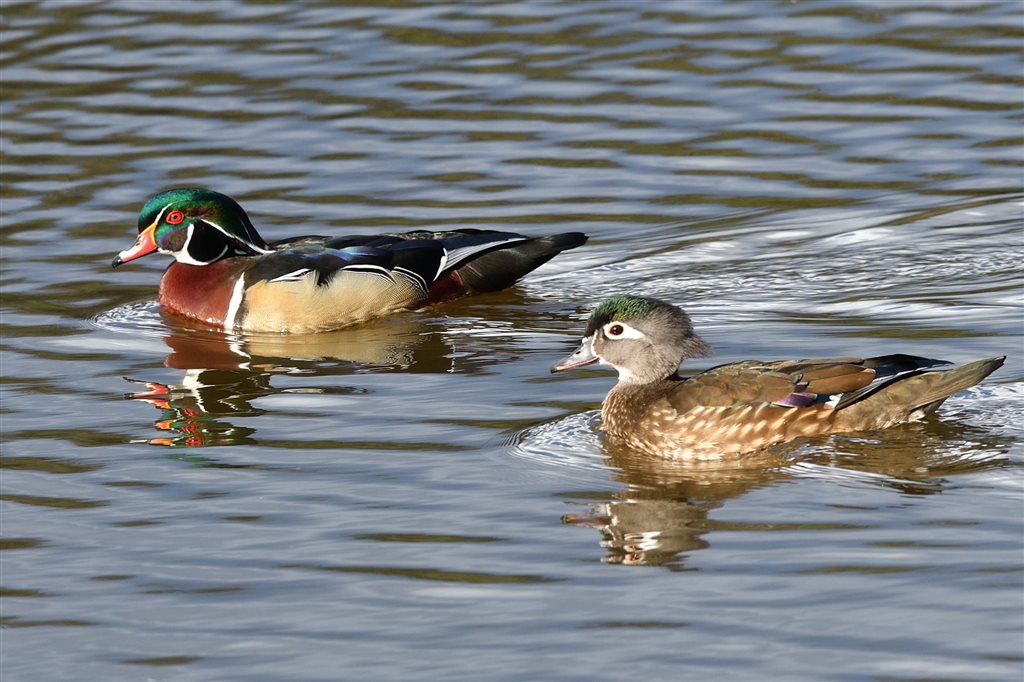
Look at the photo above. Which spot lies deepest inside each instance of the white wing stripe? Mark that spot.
(415, 277)
(456, 256)
(237, 294)
(370, 269)
(292, 276)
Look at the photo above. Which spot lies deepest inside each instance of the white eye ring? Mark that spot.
(620, 330)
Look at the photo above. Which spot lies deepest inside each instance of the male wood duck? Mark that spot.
(226, 276)
(749, 405)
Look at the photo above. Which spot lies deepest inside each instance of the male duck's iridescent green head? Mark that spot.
(643, 338)
(195, 225)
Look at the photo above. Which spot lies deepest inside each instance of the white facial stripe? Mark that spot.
(626, 333)
(231, 236)
(237, 294)
(160, 215)
(185, 257)
(156, 221)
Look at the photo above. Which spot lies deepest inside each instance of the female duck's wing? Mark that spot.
(837, 382)
(749, 405)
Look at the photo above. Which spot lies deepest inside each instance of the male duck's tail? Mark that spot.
(501, 267)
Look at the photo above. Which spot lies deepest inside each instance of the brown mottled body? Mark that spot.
(645, 419)
(746, 406)
(733, 408)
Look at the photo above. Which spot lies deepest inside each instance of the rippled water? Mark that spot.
(418, 498)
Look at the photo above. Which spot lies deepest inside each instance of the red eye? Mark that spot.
(175, 217)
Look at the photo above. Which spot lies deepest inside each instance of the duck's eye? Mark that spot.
(616, 330)
(175, 217)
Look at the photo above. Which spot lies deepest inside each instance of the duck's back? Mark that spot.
(749, 405)
(315, 283)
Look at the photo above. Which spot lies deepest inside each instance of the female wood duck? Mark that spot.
(226, 276)
(745, 406)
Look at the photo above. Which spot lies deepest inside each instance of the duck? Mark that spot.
(224, 275)
(748, 406)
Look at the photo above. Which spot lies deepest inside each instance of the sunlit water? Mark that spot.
(418, 498)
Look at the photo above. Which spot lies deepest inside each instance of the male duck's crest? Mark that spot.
(748, 405)
(226, 275)
(195, 225)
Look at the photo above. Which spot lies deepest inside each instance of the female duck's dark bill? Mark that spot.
(584, 355)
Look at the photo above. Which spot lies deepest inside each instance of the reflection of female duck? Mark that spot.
(663, 512)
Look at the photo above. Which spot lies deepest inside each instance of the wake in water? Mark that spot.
(141, 317)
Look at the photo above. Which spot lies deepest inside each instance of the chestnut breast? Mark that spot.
(200, 292)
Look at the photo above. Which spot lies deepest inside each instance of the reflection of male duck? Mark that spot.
(393, 342)
(224, 374)
(190, 410)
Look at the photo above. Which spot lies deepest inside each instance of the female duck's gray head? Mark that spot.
(643, 338)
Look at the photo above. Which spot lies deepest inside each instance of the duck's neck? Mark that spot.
(200, 292)
(628, 404)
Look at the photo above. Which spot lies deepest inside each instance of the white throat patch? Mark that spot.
(183, 256)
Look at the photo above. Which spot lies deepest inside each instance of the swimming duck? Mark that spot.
(745, 406)
(225, 275)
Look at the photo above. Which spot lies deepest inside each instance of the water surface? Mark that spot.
(419, 498)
